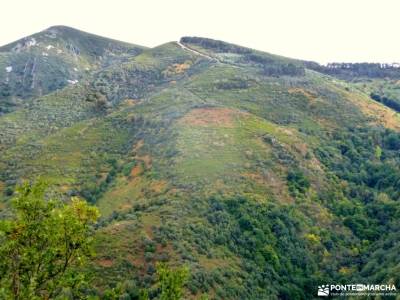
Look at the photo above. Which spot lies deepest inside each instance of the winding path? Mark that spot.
(195, 51)
(184, 47)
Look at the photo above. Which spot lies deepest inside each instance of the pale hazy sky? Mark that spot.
(320, 30)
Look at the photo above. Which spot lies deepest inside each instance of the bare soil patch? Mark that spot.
(213, 116)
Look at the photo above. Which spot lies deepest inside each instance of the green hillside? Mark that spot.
(264, 177)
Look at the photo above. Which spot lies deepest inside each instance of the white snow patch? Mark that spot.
(72, 81)
(45, 54)
(76, 69)
(31, 42)
(59, 51)
(9, 69)
(49, 47)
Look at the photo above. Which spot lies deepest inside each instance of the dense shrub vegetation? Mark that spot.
(370, 165)
(392, 103)
(216, 45)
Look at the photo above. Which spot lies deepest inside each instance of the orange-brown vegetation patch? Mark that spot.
(177, 68)
(144, 164)
(145, 159)
(158, 186)
(125, 206)
(63, 188)
(181, 68)
(107, 263)
(212, 116)
(2, 186)
(130, 102)
(139, 262)
(136, 170)
(309, 95)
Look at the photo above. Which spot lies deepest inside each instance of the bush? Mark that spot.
(297, 182)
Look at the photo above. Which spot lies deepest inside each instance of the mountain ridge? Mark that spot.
(61, 29)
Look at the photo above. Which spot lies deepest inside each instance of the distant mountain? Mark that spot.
(51, 59)
(264, 175)
(357, 71)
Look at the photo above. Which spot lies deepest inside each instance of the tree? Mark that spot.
(42, 242)
(378, 152)
(297, 182)
(171, 281)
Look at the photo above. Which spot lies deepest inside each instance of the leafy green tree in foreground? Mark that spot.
(41, 243)
(171, 281)
(169, 286)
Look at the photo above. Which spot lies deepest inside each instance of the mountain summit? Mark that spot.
(51, 59)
